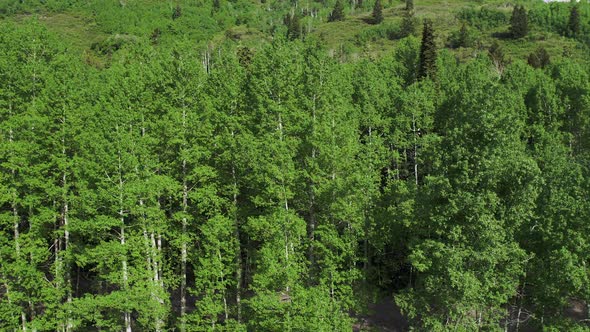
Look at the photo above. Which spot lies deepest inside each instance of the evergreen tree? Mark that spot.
(539, 58)
(337, 13)
(519, 22)
(377, 14)
(293, 26)
(409, 5)
(427, 65)
(409, 25)
(573, 24)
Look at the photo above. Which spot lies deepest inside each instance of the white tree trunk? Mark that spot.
(126, 314)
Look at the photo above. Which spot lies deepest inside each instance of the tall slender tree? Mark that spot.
(573, 24)
(519, 26)
(337, 13)
(377, 14)
(428, 51)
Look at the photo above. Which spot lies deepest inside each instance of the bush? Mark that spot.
(539, 58)
(464, 37)
(408, 26)
(386, 31)
(337, 13)
(519, 22)
(112, 44)
(483, 18)
(377, 12)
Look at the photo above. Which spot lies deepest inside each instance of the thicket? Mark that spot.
(519, 22)
(483, 18)
(377, 14)
(196, 186)
(564, 18)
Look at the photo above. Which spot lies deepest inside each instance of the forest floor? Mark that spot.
(383, 316)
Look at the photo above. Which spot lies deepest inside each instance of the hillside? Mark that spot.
(245, 165)
(84, 24)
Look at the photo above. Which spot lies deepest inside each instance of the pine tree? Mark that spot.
(409, 5)
(573, 24)
(408, 26)
(337, 13)
(539, 58)
(377, 12)
(519, 22)
(427, 67)
(293, 26)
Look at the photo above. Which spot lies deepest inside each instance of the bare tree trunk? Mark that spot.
(312, 215)
(222, 277)
(183, 249)
(288, 243)
(159, 324)
(367, 223)
(152, 264)
(415, 149)
(15, 216)
(126, 313)
(518, 318)
(239, 246)
(65, 222)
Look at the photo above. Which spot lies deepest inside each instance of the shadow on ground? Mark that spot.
(383, 316)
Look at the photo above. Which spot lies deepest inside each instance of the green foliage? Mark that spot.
(408, 26)
(462, 38)
(573, 23)
(428, 51)
(200, 177)
(539, 59)
(484, 18)
(377, 13)
(337, 13)
(519, 22)
(293, 24)
(382, 31)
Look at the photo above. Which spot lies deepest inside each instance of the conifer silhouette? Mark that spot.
(427, 66)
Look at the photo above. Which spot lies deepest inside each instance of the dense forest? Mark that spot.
(240, 165)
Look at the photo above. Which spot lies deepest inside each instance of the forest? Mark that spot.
(273, 165)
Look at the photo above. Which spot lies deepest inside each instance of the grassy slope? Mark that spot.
(445, 22)
(81, 32)
(77, 30)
